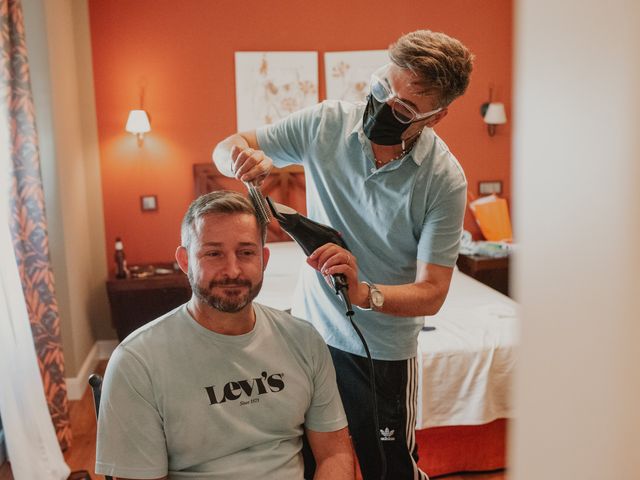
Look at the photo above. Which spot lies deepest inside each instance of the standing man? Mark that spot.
(380, 175)
(222, 387)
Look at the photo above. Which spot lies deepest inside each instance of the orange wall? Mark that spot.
(182, 55)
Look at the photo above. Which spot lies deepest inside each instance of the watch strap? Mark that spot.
(369, 308)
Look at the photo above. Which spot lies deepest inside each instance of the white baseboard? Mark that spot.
(77, 385)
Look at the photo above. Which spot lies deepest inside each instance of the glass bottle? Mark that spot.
(121, 262)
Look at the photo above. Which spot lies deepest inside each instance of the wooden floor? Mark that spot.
(82, 454)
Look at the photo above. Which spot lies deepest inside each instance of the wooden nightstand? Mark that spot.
(493, 272)
(136, 301)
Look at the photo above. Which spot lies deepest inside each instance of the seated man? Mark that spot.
(221, 387)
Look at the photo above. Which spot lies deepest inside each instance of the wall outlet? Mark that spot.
(489, 187)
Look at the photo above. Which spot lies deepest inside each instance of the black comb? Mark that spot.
(259, 203)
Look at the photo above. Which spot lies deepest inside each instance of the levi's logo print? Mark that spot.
(246, 390)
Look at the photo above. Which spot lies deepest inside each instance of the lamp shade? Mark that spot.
(138, 122)
(495, 114)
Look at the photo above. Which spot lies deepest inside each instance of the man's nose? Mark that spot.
(232, 266)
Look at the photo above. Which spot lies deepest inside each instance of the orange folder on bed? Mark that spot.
(492, 215)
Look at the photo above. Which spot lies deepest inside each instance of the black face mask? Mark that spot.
(380, 125)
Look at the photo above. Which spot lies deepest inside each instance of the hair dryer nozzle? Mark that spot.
(308, 234)
(311, 235)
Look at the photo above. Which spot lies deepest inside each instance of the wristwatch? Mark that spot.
(376, 297)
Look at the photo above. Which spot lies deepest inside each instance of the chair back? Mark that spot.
(95, 381)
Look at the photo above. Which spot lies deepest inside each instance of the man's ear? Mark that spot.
(266, 253)
(182, 257)
(435, 118)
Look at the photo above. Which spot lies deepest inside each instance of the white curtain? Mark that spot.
(32, 446)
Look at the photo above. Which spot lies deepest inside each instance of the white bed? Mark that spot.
(466, 364)
(465, 368)
(281, 275)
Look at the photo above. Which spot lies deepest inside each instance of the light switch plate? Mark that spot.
(489, 187)
(149, 203)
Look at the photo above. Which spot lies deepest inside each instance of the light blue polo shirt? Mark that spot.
(412, 208)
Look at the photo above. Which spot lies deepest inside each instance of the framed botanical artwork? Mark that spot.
(271, 85)
(347, 73)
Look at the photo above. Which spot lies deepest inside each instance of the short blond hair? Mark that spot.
(442, 63)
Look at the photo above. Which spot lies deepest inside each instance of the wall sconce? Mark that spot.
(138, 124)
(493, 114)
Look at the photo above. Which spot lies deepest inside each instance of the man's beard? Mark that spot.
(226, 303)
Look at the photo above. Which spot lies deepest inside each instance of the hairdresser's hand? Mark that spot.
(250, 165)
(331, 259)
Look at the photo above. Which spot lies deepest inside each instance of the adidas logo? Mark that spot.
(387, 435)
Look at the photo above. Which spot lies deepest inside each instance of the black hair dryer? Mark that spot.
(311, 235)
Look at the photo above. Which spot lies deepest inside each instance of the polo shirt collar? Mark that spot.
(423, 145)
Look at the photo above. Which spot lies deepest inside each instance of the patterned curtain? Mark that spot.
(28, 222)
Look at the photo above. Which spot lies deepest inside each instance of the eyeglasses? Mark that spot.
(382, 91)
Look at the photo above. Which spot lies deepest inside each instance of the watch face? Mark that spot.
(377, 299)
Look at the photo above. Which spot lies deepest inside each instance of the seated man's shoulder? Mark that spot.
(157, 333)
(286, 322)
(150, 346)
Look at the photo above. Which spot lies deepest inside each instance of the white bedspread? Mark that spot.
(465, 365)
(281, 275)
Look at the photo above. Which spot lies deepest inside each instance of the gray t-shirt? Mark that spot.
(180, 399)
